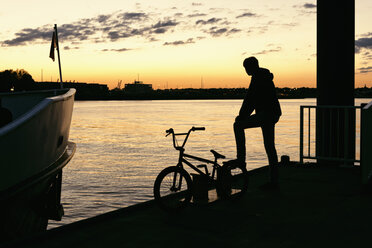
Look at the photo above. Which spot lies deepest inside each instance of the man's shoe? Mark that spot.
(269, 186)
(235, 163)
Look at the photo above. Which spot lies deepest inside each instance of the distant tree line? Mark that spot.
(18, 80)
(217, 93)
(213, 93)
(21, 80)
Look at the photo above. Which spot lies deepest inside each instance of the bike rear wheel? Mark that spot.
(239, 182)
(232, 182)
(172, 189)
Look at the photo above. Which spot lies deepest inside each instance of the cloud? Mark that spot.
(363, 43)
(220, 27)
(277, 49)
(122, 25)
(247, 14)
(209, 21)
(289, 25)
(234, 30)
(168, 23)
(160, 31)
(215, 10)
(367, 56)
(134, 16)
(196, 15)
(116, 50)
(280, 24)
(70, 48)
(260, 29)
(179, 42)
(309, 6)
(102, 18)
(161, 27)
(306, 8)
(216, 32)
(28, 34)
(112, 27)
(365, 69)
(367, 34)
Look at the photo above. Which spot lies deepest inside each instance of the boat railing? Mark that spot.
(339, 144)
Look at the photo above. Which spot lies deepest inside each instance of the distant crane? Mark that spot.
(119, 84)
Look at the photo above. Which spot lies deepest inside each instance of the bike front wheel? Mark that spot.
(172, 189)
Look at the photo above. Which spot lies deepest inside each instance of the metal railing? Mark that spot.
(338, 119)
(366, 143)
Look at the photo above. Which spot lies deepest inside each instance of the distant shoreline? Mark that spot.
(202, 94)
(100, 92)
(185, 94)
(181, 99)
(200, 99)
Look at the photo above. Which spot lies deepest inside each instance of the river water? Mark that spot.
(121, 147)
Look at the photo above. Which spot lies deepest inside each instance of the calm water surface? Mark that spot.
(121, 147)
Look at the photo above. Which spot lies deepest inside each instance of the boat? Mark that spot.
(34, 148)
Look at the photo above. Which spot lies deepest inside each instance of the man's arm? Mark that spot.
(247, 106)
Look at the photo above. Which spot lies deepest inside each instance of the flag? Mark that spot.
(52, 46)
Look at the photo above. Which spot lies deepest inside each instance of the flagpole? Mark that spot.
(59, 59)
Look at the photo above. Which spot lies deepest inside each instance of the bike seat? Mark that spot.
(217, 155)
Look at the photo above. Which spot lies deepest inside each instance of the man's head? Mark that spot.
(251, 65)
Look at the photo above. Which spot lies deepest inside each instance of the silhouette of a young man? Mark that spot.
(261, 97)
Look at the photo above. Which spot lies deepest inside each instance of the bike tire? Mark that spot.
(169, 197)
(239, 182)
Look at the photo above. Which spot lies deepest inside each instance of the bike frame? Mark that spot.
(183, 160)
(183, 155)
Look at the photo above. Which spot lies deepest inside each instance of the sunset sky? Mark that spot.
(172, 43)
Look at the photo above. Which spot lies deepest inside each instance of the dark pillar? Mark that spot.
(335, 76)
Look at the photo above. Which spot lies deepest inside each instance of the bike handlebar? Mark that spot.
(171, 131)
(198, 128)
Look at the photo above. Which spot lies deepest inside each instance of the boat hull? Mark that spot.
(36, 138)
(34, 148)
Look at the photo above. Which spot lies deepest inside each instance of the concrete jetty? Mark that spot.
(314, 207)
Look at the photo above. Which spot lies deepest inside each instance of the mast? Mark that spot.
(59, 59)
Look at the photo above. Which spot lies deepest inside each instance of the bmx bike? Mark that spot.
(173, 188)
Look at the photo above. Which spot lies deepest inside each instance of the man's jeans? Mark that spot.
(267, 124)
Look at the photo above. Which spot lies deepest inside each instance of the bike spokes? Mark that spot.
(172, 188)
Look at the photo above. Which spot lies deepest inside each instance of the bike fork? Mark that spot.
(176, 186)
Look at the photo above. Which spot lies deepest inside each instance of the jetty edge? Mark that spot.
(315, 206)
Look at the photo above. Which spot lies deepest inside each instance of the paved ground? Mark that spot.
(315, 207)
